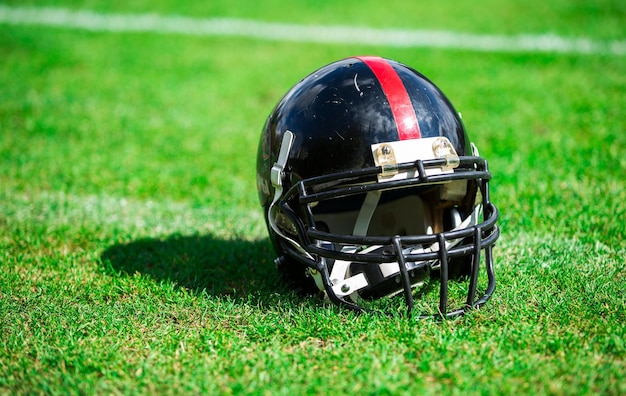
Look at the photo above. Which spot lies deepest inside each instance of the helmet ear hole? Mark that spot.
(322, 226)
(452, 219)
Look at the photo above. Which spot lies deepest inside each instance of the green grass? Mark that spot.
(133, 254)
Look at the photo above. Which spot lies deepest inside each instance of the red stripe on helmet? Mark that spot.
(397, 96)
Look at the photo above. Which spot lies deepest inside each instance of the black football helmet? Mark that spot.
(371, 188)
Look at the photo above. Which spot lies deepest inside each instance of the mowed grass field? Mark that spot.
(133, 252)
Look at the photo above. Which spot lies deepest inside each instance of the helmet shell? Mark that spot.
(339, 229)
(337, 112)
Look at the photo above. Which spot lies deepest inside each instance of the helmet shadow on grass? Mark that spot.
(201, 263)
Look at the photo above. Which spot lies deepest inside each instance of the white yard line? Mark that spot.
(158, 217)
(93, 21)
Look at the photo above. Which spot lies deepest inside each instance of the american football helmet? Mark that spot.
(371, 189)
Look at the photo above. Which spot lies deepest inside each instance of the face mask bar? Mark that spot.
(307, 192)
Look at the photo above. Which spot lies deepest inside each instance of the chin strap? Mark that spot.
(343, 283)
(364, 218)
